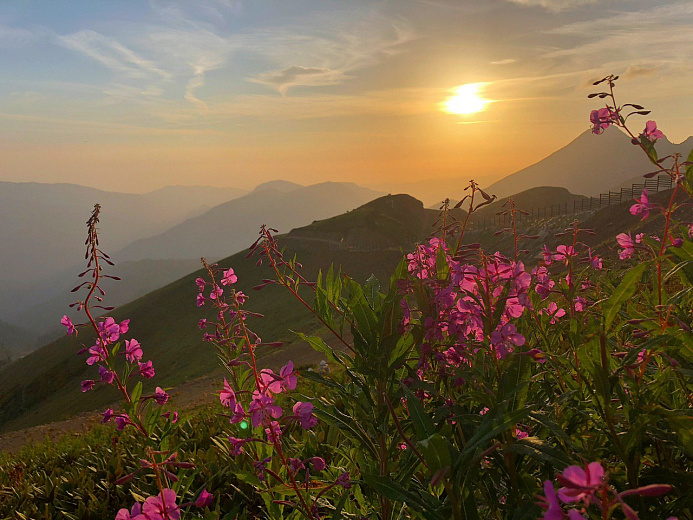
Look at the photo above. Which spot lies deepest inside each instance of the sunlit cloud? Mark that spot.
(283, 80)
(555, 5)
(111, 53)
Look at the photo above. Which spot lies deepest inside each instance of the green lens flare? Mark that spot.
(244, 425)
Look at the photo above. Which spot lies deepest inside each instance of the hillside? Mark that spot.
(591, 164)
(13, 342)
(143, 276)
(46, 221)
(44, 386)
(529, 199)
(232, 226)
(388, 222)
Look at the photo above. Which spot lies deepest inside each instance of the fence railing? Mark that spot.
(659, 183)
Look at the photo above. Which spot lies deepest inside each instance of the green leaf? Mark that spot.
(423, 424)
(319, 345)
(540, 450)
(136, 393)
(397, 492)
(435, 452)
(625, 291)
(683, 426)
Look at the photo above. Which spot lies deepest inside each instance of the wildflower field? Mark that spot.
(470, 385)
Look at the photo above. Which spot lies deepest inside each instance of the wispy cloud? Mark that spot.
(554, 5)
(283, 80)
(663, 32)
(111, 53)
(14, 36)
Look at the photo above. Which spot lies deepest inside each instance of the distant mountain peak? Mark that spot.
(279, 185)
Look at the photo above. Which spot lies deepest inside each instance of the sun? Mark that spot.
(466, 100)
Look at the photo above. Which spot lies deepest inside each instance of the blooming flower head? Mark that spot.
(69, 325)
(602, 119)
(554, 312)
(162, 506)
(133, 350)
(107, 376)
(229, 277)
(651, 131)
(262, 410)
(228, 399)
(642, 206)
(160, 396)
(550, 503)
(87, 385)
(304, 413)
(107, 415)
(626, 242)
(146, 369)
(216, 293)
(204, 499)
(580, 484)
(122, 421)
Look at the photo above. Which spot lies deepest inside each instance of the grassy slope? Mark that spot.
(44, 386)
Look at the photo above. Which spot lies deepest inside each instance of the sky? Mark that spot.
(132, 96)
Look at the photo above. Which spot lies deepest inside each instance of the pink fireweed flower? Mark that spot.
(107, 415)
(134, 514)
(204, 499)
(537, 355)
(162, 506)
(200, 283)
(602, 119)
(262, 410)
(546, 253)
(596, 262)
(580, 484)
(304, 413)
(237, 445)
(642, 206)
(564, 253)
(228, 399)
(260, 466)
(285, 381)
(216, 293)
(343, 480)
(146, 369)
(626, 242)
(202, 323)
(200, 300)
(318, 463)
(133, 350)
(553, 311)
(172, 416)
(273, 431)
(160, 396)
(544, 289)
(651, 132)
(107, 376)
(550, 502)
(87, 385)
(505, 338)
(229, 277)
(98, 354)
(69, 325)
(122, 421)
(521, 434)
(110, 331)
(580, 304)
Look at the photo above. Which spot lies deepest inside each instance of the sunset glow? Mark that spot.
(466, 100)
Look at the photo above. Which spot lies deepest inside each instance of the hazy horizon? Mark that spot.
(136, 96)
